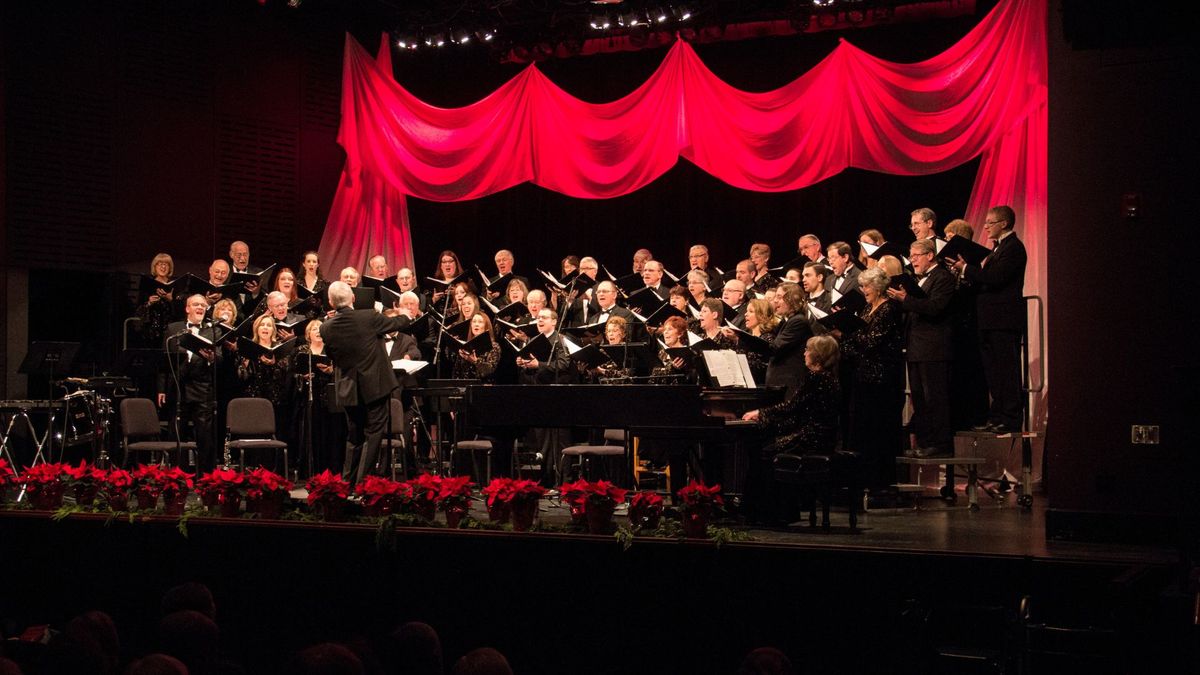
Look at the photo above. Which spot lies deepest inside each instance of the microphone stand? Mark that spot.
(308, 417)
(437, 349)
(175, 376)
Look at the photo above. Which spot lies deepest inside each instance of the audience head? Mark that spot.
(156, 664)
(193, 595)
(190, 637)
(766, 661)
(326, 659)
(415, 649)
(482, 661)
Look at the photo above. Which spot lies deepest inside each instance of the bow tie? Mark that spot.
(193, 325)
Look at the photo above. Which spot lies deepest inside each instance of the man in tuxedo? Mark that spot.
(277, 307)
(377, 267)
(1000, 310)
(363, 376)
(698, 260)
(652, 274)
(810, 247)
(239, 256)
(923, 223)
(843, 274)
(196, 402)
(812, 279)
(557, 369)
(929, 350)
(734, 295)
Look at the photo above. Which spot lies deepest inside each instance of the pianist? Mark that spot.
(806, 422)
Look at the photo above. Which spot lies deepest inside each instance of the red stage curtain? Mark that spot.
(986, 96)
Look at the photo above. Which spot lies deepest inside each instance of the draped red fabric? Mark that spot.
(986, 95)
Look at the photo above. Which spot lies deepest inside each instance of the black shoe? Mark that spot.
(985, 427)
(927, 453)
(1000, 429)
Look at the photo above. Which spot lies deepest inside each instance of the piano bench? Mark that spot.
(818, 478)
(585, 455)
(473, 448)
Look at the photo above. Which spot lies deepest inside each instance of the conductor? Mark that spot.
(364, 377)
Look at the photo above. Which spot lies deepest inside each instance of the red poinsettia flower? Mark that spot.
(326, 486)
(696, 494)
(147, 475)
(174, 479)
(454, 490)
(7, 475)
(425, 489)
(42, 474)
(220, 480)
(527, 489)
(262, 481)
(604, 492)
(574, 494)
(500, 490)
(118, 479)
(374, 489)
(646, 500)
(84, 474)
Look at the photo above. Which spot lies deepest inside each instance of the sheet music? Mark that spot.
(409, 366)
(724, 367)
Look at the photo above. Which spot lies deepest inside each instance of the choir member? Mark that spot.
(312, 279)
(482, 367)
(873, 237)
(810, 247)
(843, 274)
(786, 367)
(196, 403)
(812, 280)
(877, 404)
(328, 430)
(448, 268)
(160, 307)
(557, 369)
(377, 267)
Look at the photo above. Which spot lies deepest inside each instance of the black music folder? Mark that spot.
(887, 248)
(538, 347)
(971, 251)
(626, 354)
(529, 329)
(388, 297)
(263, 278)
(201, 286)
(845, 321)
(644, 301)
(195, 343)
(629, 284)
(150, 286)
(685, 353)
(793, 264)
(750, 342)
(909, 283)
(364, 298)
(848, 302)
(367, 281)
(253, 350)
(479, 345)
(443, 285)
(302, 364)
(513, 312)
(497, 285)
(590, 356)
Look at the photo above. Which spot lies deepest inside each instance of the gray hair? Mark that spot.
(340, 294)
(875, 278)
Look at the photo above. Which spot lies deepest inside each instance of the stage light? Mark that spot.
(600, 22)
(460, 36)
(435, 40)
(486, 35)
(660, 15)
(681, 12)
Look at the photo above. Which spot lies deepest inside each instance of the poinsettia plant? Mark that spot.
(697, 495)
(425, 490)
(7, 475)
(84, 474)
(646, 500)
(645, 509)
(262, 481)
(377, 489)
(604, 493)
(117, 481)
(512, 490)
(454, 491)
(174, 481)
(575, 496)
(327, 487)
(146, 478)
(219, 482)
(44, 477)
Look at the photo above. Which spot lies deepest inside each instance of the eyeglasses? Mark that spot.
(994, 222)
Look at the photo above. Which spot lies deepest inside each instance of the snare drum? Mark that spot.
(81, 417)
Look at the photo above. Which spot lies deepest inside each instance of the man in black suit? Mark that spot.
(364, 377)
(843, 274)
(652, 274)
(929, 350)
(812, 279)
(786, 367)
(698, 260)
(557, 369)
(1000, 308)
(196, 402)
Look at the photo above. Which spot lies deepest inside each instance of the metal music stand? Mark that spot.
(51, 359)
(444, 398)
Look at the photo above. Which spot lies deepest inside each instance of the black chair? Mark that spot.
(817, 478)
(395, 441)
(139, 419)
(250, 425)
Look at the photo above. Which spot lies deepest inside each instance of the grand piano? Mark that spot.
(710, 417)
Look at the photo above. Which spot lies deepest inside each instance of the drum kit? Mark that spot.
(86, 419)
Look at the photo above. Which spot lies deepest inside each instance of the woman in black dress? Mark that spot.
(328, 427)
(160, 307)
(806, 422)
(876, 353)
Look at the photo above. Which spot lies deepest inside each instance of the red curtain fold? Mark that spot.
(986, 95)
